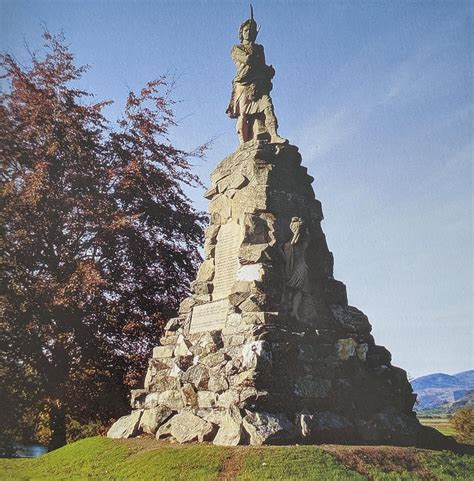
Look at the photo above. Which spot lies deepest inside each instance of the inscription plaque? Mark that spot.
(209, 317)
(226, 259)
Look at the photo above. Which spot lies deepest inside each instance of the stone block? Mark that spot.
(211, 415)
(182, 347)
(217, 381)
(312, 387)
(252, 253)
(186, 427)
(152, 400)
(231, 431)
(206, 271)
(228, 398)
(214, 359)
(250, 273)
(234, 340)
(164, 381)
(197, 375)
(174, 324)
(326, 427)
(351, 319)
(201, 288)
(160, 352)
(335, 292)
(361, 351)
(206, 399)
(153, 418)
(169, 339)
(171, 399)
(255, 353)
(245, 378)
(126, 426)
(389, 426)
(189, 395)
(268, 428)
(345, 348)
(186, 305)
(137, 398)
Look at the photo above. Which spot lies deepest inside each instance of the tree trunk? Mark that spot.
(57, 424)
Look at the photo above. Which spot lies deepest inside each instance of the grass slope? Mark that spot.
(105, 459)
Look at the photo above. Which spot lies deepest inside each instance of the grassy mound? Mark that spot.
(144, 458)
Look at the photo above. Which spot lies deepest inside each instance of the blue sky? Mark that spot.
(377, 95)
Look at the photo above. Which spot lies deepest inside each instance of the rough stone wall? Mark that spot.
(271, 372)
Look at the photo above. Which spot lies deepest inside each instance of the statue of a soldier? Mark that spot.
(250, 102)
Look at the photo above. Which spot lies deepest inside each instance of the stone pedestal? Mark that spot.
(266, 348)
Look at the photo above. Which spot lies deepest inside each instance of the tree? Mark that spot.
(100, 241)
(463, 422)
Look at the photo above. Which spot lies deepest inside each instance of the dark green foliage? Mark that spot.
(100, 243)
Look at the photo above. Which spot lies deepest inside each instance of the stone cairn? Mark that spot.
(266, 349)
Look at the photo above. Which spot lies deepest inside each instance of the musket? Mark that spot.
(251, 18)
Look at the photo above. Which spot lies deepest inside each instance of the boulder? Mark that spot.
(214, 359)
(217, 381)
(171, 399)
(228, 398)
(325, 427)
(182, 347)
(187, 427)
(205, 343)
(163, 381)
(351, 319)
(126, 426)
(206, 271)
(152, 400)
(362, 350)
(256, 351)
(174, 324)
(312, 387)
(198, 375)
(231, 430)
(211, 415)
(186, 305)
(345, 348)
(389, 426)
(137, 398)
(267, 428)
(160, 352)
(153, 418)
(206, 399)
(201, 288)
(189, 395)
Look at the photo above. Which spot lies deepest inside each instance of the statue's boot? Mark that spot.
(271, 125)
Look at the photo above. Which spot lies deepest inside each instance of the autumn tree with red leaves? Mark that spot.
(100, 242)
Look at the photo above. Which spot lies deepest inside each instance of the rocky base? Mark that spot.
(266, 384)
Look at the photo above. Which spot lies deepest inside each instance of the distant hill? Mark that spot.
(444, 392)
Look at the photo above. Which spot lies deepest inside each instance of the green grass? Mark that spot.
(447, 466)
(293, 463)
(105, 459)
(100, 458)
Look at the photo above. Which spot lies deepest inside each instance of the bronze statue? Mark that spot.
(250, 102)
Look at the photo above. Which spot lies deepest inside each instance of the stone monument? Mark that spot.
(266, 349)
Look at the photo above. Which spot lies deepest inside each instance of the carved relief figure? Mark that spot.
(250, 102)
(296, 268)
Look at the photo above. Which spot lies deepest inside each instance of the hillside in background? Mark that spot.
(443, 392)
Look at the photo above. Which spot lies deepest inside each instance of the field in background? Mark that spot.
(441, 424)
(145, 458)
